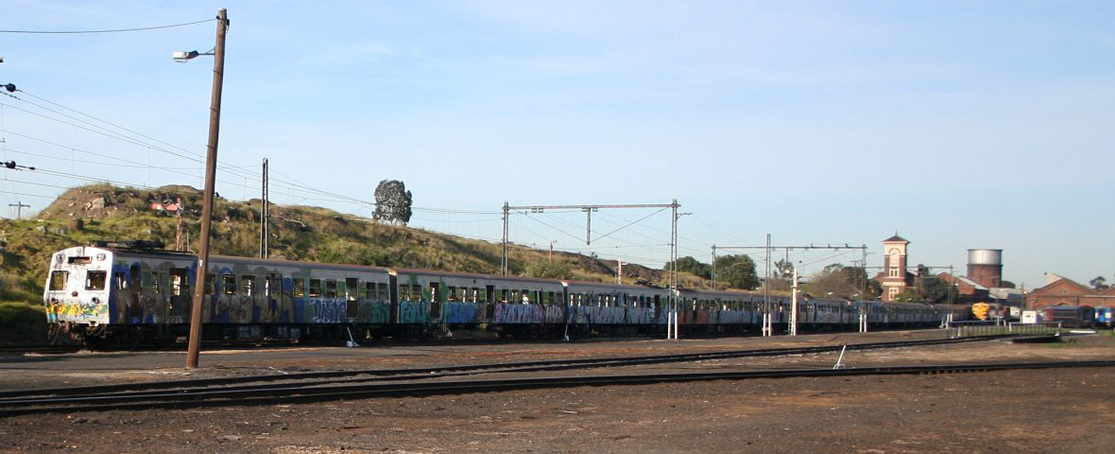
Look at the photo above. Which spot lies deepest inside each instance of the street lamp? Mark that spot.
(210, 180)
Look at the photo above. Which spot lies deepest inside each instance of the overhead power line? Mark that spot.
(115, 30)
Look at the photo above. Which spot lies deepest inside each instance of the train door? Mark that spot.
(179, 295)
(393, 291)
(489, 302)
(436, 296)
(657, 307)
(352, 290)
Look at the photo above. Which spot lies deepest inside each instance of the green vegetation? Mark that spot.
(103, 212)
(20, 323)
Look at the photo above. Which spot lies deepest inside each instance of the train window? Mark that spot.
(475, 295)
(435, 292)
(330, 288)
(95, 280)
(210, 283)
(315, 288)
(58, 280)
(381, 290)
(179, 284)
(155, 282)
(120, 283)
(248, 285)
(404, 292)
(133, 274)
(452, 293)
(299, 287)
(352, 286)
(369, 290)
(228, 284)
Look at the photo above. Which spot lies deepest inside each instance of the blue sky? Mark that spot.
(959, 124)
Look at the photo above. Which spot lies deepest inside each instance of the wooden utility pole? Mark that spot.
(210, 181)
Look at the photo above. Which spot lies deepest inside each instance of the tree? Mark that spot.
(738, 271)
(549, 270)
(937, 291)
(784, 269)
(839, 281)
(392, 202)
(1099, 284)
(690, 265)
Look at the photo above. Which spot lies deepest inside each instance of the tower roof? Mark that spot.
(896, 239)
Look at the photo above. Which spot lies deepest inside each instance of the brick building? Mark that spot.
(1062, 291)
(894, 279)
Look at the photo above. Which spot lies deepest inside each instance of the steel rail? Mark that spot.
(434, 372)
(201, 398)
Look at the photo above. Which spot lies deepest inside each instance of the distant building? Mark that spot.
(985, 267)
(1062, 291)
(968, 291)
(982, 284)
(894, 279)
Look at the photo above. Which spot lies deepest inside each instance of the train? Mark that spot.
(144, 294)
(1071, 316)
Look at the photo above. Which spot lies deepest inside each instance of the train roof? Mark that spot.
(473, 275)
(134, 252)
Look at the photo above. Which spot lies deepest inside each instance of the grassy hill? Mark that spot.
(108, 213)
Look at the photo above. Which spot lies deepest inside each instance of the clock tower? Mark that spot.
(894, 279)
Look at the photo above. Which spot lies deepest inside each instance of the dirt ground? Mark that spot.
(1054, 410)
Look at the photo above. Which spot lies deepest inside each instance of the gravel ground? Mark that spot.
(1058, 410)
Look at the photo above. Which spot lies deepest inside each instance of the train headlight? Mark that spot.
(100, 257)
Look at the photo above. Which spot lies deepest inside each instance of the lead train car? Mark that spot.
(95, 292)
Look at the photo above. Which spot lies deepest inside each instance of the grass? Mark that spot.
(21, 323)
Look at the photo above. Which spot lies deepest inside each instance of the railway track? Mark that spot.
(332, 377)
(354, 384)
(277, 394)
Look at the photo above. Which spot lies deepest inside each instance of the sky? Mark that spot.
(957, 124)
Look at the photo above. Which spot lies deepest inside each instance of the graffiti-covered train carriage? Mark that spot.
(104, 292)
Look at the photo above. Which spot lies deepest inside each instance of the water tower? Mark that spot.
(985, 266)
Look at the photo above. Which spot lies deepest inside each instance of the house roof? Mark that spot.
(970, 282)
(1068, 287)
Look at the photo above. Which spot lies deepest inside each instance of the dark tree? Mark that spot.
(1099, 284)
(392, 202)
(692, 266)
(839, 281)
(937, 291)
(784, 269)
(738, 271)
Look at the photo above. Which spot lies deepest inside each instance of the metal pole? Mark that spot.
(674, 265)
(210, 181)
(794, 307)
(264, 214)
(588, 226)
(713, 264)
(503, 267)
(769, 324)
(19, 206)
